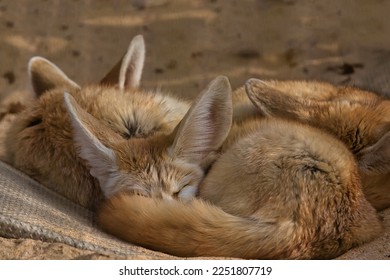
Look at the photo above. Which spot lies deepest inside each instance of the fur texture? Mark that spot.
(40, 141)
(164, 166)
(279, 190)
(360, 119)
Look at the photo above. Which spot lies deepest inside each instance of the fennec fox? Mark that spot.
(163, 166)
(360, 119)
(40, 142)
(279, 190)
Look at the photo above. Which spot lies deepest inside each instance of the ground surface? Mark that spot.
(189, 43)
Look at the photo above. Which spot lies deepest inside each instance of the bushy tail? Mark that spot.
(194, 229)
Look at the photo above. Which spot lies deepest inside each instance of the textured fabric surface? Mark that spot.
(29, 210)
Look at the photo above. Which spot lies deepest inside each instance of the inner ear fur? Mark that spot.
(206, 125)
(127, 72)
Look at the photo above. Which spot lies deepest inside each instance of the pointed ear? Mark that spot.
(271, 101)
(206, 125)
(129, 69)
(44, 76)
(100, 158)
(376, 158)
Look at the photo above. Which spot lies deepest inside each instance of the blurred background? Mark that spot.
(190, 42)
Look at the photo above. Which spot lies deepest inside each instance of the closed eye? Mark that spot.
(137, 190)
(34, 122)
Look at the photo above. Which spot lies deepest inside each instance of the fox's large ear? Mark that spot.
(100, 158)
(376, 158)
(271, 101)
(129, 68)
(44, 76)
(206, 125)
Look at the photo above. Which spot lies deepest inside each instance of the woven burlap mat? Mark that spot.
(29, 210)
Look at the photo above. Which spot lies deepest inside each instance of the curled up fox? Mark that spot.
(279, 190)
(280, 183)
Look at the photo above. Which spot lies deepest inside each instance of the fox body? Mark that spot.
(40, 141)
(359, 118)
(280, 189)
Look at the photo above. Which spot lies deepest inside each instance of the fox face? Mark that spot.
(160, 166)
(361, 119)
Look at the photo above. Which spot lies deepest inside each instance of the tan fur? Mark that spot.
(360, 119)
(162, 165)
(40, 141)
(266, 214)
(280, 190)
